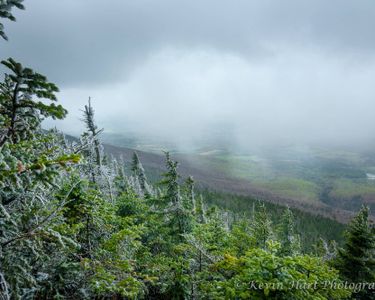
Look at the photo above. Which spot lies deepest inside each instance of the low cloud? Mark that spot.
(258, 72)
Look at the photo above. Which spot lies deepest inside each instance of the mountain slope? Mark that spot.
(219, 181)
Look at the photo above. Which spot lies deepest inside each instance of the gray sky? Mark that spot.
(296, 71)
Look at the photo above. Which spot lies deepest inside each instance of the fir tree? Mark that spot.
(139, 173)
(92, 128)
(135, 164)
(120, 181)
(98, 166)
(261, 227)
(200, 212)
(356, 260)
(326, 250)
(288, 238)
(180, 218)
(21, 114)
(190, 194)
(170, 181)
(241, 239)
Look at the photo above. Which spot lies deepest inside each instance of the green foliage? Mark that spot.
(261, 227)
(261, 274)
(240, 239)
(356, 260)
(21, 115)
(310, 228)
(93, 132)
(139, 173)
(190, 193)
(199, 211)
(178, 214)
(34, 238)
(290, 242)
(29, 164)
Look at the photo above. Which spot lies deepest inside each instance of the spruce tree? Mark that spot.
(92, 129)
(179, 217)
(139, 173)
(135, 164)
(200, 212)
(170, 181)
(120, 180)
(326, 250)
(21, 113)
(190, 194)
(241, 240)
(32, 168)
(261, 227)
(290, 242)
(356, 260)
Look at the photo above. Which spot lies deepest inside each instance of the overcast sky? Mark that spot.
(267, 71)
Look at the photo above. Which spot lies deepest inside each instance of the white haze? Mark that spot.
(293, 97)
(264, 72)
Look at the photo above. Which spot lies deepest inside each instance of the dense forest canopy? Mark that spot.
(78, 224)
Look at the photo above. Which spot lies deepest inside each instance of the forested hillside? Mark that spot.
(311, 226)
(78, 224)
(327, 182)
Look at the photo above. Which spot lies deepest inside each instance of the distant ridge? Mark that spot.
(154, 165)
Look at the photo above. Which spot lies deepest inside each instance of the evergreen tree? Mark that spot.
(200, 212)
(21, 115)
(98, 166)
(290, 242)
(262, 274)
(261, 227)
(6, 12)
(217, 234)
(326, 250)
(190, 194)
(241, 238)
(32, 247)
(356, 260)
(92, 129)
(120, 180)
(179, 217)
(139, 173)
(135, 164)
(170, 181)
